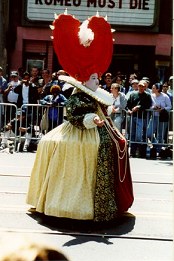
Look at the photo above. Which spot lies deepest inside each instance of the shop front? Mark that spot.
(139, 46)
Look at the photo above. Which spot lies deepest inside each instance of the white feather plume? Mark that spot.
(86, 35)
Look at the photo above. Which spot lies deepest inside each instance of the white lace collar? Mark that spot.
(100, 95)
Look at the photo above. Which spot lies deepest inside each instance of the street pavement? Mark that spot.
(144, 233)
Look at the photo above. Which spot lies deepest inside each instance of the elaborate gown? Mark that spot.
(81, 173)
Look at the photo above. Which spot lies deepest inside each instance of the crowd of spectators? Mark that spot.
(148, 108)
(134, 96)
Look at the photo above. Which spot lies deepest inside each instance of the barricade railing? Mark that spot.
(32, 121)
(8, 112)
(39, 119)
(148, 129)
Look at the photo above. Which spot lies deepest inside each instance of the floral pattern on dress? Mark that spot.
(77, 106)
(105, 207)
(104, 203)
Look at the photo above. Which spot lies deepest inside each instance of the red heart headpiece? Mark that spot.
(77, 60)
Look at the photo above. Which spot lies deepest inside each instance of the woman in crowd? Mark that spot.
(82, 167)
(55, 101)
(116, 111)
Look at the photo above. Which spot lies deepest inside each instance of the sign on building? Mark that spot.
(119, 12)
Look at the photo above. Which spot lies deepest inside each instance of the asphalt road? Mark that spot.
(145, 233)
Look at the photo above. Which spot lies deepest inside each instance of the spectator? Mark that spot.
(128, 86)
(9, 93)
(137, 104)
(158, 123)
(170, 90)
(35, 77)
(3, 86)
(165, 89)
(46, 78)
(26, 92)
(46, 87)
(134, 87)
(60, 82)
(67, 89)
(118, 79)
(21, 72)
(10, 96)
(147, 83)
(119, 103)
(15, 127)
(55, 113)
(108, 82)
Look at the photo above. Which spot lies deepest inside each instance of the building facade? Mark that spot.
(142, 37)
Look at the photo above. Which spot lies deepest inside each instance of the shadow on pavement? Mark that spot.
(119, 226)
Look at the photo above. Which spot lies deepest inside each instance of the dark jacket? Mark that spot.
(143, 100)
(32, 95)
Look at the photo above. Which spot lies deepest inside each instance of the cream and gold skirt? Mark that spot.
(63, 177)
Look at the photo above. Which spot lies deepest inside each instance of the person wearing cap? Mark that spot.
(10, 96)
(9, 93)
(83, 170)
(55, 112)
(137, 104)
(147, 83)
(128, 86)
(134, 87)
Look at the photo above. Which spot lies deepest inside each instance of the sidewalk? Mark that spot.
(145, 233)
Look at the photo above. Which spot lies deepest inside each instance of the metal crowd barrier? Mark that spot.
(36, 121)
(31, 121)
(161, 132)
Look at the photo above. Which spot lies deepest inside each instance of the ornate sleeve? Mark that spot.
(79, 107)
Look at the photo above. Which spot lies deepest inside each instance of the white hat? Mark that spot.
(142, 83)
(134, 81)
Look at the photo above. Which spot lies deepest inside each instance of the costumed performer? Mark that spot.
(82, 170)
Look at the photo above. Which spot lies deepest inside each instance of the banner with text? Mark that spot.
(119, 12)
